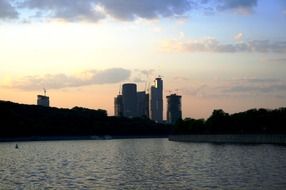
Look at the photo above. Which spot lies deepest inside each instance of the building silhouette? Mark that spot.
(156, 100)
(43, 100)
(142, 104)
(118, 105)
(174, 108)
(132, 103)
(129, 99)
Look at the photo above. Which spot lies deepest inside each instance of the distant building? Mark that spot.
(142, 104)
(130, 103)
(118, 106)
(147, 98)
(174, 108)
(129, 99)
(156, 100)
(152, 102)
(43, 101)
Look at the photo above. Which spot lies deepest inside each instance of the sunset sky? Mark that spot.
(217, 54)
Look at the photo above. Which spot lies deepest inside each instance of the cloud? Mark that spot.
(209, 11)
(7, 11)
(201, 90)
(146, 73)
(137, 80)
(256, 86)
(213, 45)
(238, 37)
(277, 60)
(124, 10)
(94, 10)
(240, 6)
(58, 81)
(244, 87)
(256, 89)
(149, 9)
(110, 76)
(75, 10)
(141, 75)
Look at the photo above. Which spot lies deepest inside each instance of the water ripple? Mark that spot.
(141, 164)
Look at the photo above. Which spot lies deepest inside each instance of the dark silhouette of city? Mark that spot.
(148, 103)
(19, 120)
(31, 121)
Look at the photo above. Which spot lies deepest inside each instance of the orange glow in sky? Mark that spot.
(232, 58)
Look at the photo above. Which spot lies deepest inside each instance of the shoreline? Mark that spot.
(197, 138)
(67, 138)
(231, 139)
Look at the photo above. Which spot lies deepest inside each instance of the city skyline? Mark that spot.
(132, 103)
(222, 54)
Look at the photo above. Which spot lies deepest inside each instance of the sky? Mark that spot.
(217, 54)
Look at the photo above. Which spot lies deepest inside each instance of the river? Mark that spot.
(141, 164)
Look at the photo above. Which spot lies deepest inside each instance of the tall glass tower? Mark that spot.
(174, 108)
(156, 100)
(129, 99)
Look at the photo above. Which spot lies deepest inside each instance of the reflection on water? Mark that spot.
(141, 164)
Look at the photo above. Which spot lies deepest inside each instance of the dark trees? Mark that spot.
(254, 121)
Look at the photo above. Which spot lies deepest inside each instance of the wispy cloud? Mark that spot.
(213, 45)
(94, 10)
(141, 75)
(149, 9)
(58, 81)
(255, 86)
(245, 87)
(127, 10)
(75, 10)
(238, 37)
(201, 90)
(240, 6)
(7, 11)
(144, 72)
(278, 60)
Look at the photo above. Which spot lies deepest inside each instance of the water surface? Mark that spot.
(141, 164)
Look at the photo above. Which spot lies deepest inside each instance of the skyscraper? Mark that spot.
(129, 99)
(174, 108)
(156, 100)
(118, 105)
(131, 103)
(142, 104)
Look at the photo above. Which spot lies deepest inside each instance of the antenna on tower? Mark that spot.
(45, 91)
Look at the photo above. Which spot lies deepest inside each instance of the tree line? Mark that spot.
(20, 120)
(253, 121)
